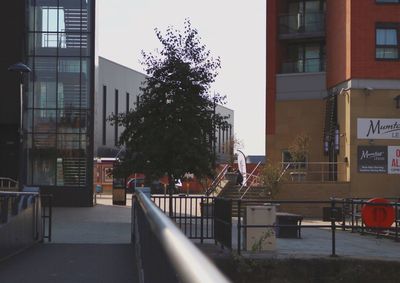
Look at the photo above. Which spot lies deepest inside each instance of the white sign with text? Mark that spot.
(393, 159)
(373, 128)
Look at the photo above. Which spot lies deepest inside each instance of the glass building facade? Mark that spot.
(59, 94)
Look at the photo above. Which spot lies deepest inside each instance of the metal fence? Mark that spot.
(8, 184)
(164, 253)
(194, 215)
(344, 214)
(216, 219)
(314, 171)
(47, 216)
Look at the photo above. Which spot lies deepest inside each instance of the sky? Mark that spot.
(234, 30)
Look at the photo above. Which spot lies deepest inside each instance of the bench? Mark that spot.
(293, 231)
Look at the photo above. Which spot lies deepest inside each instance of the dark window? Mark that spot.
(116, 124)
(387, 42)
(104, 115)
(304, 58)
(137, 101)
(287, 160)
(219, 139)
(127, 102)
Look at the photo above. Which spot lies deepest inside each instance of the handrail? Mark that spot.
(217, 180)
(284, 171)
(10, 181)
(250, 175)
(188, 261)
(315, 171)
(252, 182)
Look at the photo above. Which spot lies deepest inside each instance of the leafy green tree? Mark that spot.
(171, 131)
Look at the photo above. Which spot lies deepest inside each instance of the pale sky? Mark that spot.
(231, 29)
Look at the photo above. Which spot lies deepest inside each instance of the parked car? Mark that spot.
(132, 183)
(156, 187)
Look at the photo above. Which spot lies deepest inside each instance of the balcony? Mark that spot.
(292, 26)
(312, 65)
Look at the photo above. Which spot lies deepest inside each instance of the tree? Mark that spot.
(270, 176)
(299, 148)
(171, 131)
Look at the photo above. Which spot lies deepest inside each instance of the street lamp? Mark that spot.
(21, 68)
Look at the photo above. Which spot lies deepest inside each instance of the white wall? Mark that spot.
(113, 76)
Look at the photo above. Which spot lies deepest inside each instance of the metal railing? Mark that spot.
(164, 253)
(252, 179)
(194, 215)
(47, 216)
(327, 216)
(8, 184)
(215, 183)
(309, 65)
(314, 171)
(337, 214)
(352, 217)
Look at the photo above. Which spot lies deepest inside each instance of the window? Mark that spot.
(287, 160)
(304, 58)
(116, 124)
(104, 114)
(127, 102)
(387, 43)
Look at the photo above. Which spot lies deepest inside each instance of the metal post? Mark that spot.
(333, 227)
(396, 236)
(21, 136)
(352, 216)
(239, 226)
(202, 213)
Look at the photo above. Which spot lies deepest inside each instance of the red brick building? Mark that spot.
(333, 73)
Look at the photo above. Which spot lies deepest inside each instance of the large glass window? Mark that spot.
(307, 57)
(58, 108)
(387, 43)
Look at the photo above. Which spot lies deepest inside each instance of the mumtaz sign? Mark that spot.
(378, 128)
(379, 159)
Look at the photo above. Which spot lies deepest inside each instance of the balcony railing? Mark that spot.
(300, 24)
(304, 66)
(314, 171)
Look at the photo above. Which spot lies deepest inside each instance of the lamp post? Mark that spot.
(22, 69)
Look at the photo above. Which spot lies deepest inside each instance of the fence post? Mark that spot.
(344, 208)
(353, 214)
(239, 226)
(333, 228)
(396, 205)
(202, 213)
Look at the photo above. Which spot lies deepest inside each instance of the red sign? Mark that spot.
(378, 216)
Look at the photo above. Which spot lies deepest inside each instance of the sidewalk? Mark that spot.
(101, 224)
(89, 245)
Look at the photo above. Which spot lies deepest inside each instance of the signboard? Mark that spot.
(372, 159)
(372, 128)
(393, 159)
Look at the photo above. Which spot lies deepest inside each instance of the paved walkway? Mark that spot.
(88, 245)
